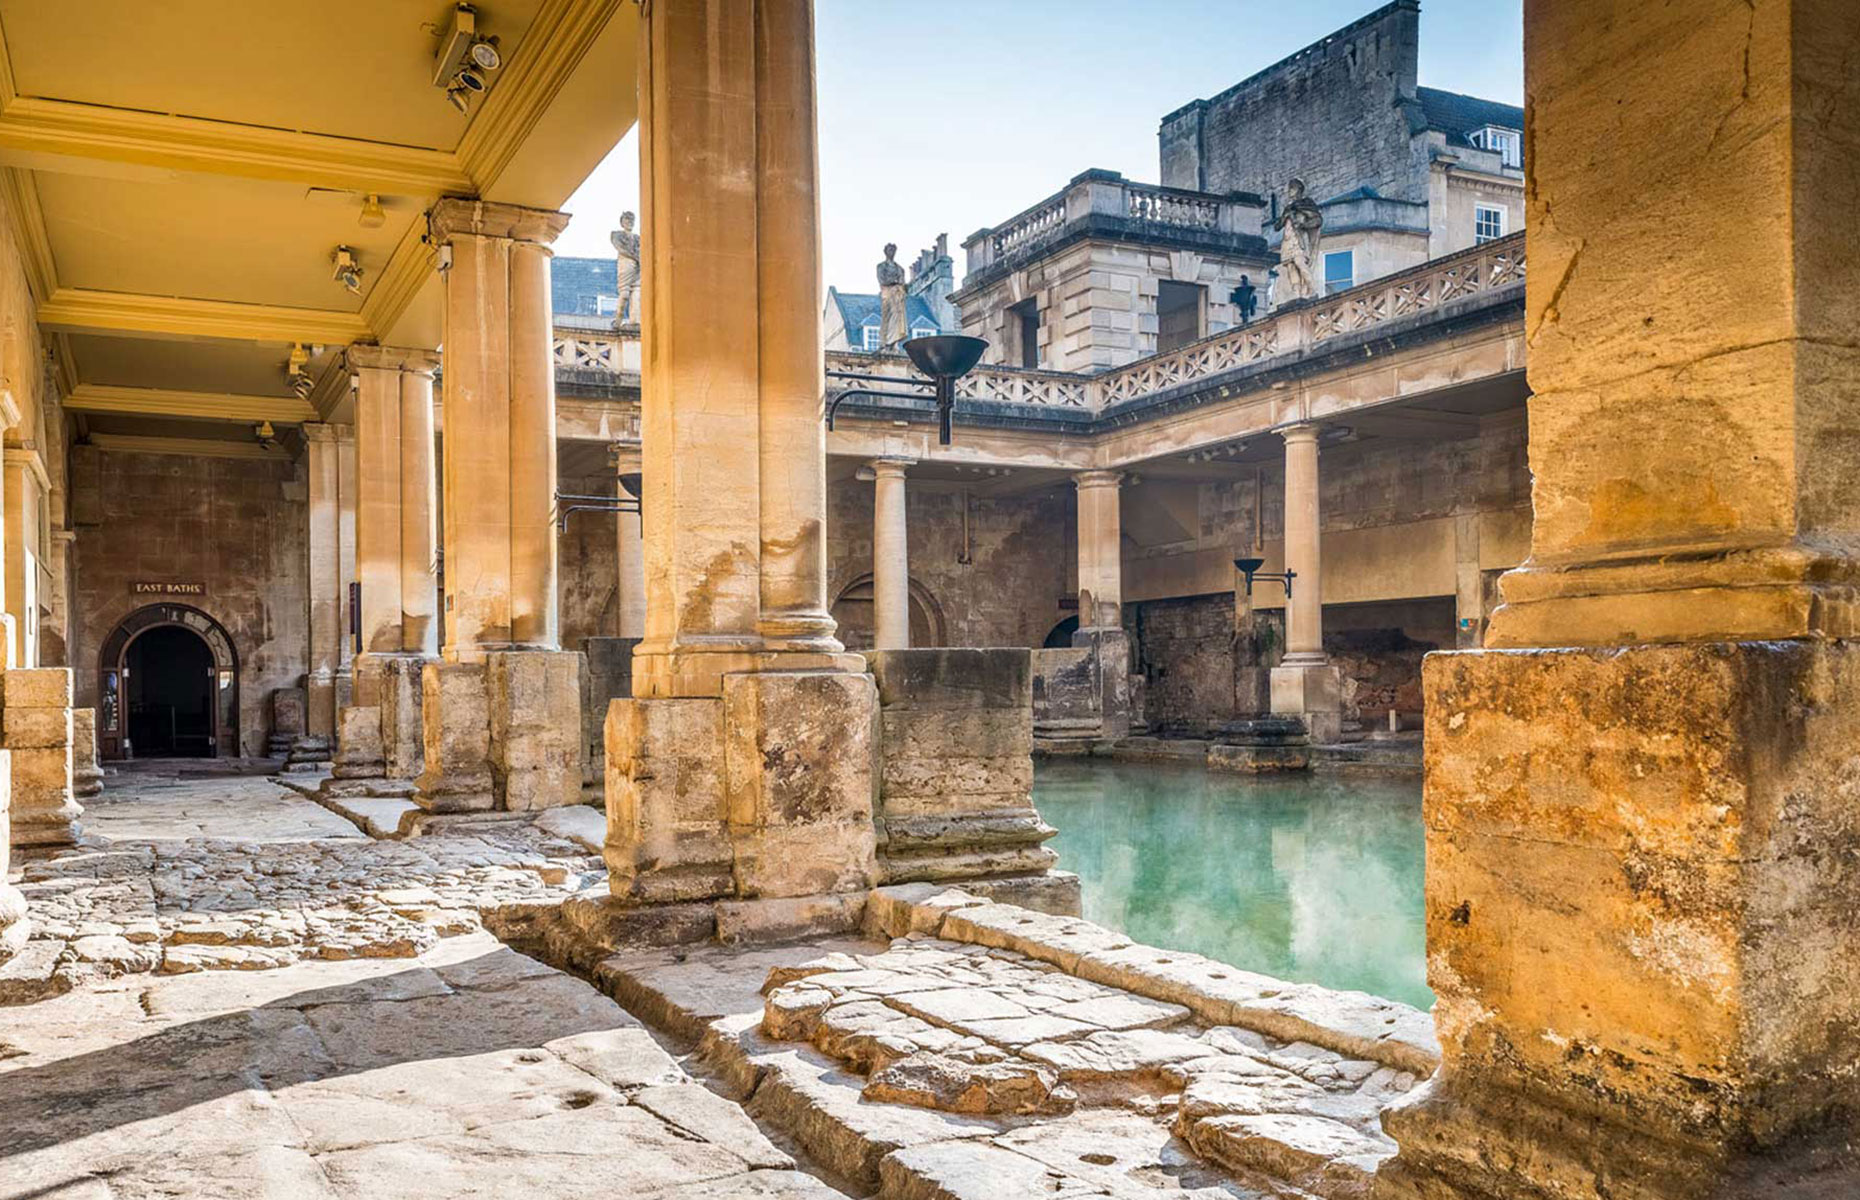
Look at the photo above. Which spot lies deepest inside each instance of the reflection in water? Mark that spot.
(1309, 878)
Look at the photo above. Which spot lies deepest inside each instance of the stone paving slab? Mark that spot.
(466, 1071)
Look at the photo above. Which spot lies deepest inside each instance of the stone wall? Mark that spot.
(1002, 585)
(1328, 114)
(236, 526)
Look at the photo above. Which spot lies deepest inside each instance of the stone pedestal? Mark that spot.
(503, 733)
(287, 721)
(606, 676)
(86, 771)
(1110, 677)
(956, 774)
(14, 927)
(37, 725)
(1312, 692)
(358, 743)
(786, 810)
(1640, 920)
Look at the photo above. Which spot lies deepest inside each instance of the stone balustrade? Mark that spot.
(1495, 266)
(1106, 199)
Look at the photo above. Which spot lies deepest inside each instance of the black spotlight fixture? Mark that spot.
(1250, 567)
(945, 358)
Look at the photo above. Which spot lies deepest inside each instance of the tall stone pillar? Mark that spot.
(739, 648)
(1305, 684)
(1101, 596)
(24, 494)
(891, 566)
(37, 725)
(501, 714)
(1641, 834)
(632, 555)
(348, 487)
(322, 443)
(394, 540)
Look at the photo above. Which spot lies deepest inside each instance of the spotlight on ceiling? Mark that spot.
(484, 53)
(348, 271)
(469, 80)
(373, 215)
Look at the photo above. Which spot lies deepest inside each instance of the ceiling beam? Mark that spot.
(128, 443)
(37, 133)
(174, 316)
(198, 406)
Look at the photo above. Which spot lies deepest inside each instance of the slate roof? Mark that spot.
(1456, 114)
(576, 285)
(859, 309)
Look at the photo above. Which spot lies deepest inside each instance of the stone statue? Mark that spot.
(626, 244)
(1303, 223)
(893, 325)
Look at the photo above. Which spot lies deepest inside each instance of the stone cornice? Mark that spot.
(123, 443)
(367, 357)
(452, 217)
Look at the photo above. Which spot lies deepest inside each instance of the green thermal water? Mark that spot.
(1309, 878)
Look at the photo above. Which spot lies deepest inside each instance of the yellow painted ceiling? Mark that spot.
(348, 68)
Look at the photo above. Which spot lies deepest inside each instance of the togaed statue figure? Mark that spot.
(1303, 223)
(893, 326)
(626, 245)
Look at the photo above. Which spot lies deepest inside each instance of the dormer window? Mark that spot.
(1508, 144)
(870, 337)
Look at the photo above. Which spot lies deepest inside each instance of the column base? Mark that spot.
(86, 771)
(503, 733)
(358, 744)
(956, 785)
(691, 670)
(785, 811)
(38, 731)
(1313, 692)
(1643, 875)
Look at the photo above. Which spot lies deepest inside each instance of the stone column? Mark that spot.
(348, 484)
(632, 555)
(381, 730)
(1641, 835)
(501, 715)
(739, 649)
(1305, 684)
(23, 497)
(37, 727)
(322, 444)
(891, 567)
(1101, 597)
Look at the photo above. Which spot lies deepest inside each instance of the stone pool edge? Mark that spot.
(1355, 1024)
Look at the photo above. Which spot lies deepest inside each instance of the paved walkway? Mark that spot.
(160, 802)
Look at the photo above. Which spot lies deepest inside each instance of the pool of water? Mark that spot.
(1307, 877)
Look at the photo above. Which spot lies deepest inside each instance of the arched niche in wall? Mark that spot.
(852, 609)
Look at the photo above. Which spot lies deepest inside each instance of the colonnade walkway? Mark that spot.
(230, 993)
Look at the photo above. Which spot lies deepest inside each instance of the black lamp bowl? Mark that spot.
(1249, 565)
(946, 355)
(629, 483)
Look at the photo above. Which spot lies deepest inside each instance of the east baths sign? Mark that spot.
(168, 589)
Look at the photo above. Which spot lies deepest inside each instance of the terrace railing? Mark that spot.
(1495, 266)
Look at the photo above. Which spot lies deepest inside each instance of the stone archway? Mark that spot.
(191, 669)
(852, 610)
(1060, 635)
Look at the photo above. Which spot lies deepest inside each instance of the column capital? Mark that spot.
(891, 468)
(323, 431)
(452, 216)
(1098, 479)
(628, 456)
(393, 358)
(1294, 434)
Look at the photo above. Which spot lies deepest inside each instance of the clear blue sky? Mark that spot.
(949, 115)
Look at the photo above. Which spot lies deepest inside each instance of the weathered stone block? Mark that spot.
(1641, 892)
(953, 678)
(36, 687)
(456, 731)
(1313, 692)
(358, 743)
(401, 691)
(86, 771)
(534, 698)
(801, 781)
(665, 804)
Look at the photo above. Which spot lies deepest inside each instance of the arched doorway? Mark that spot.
(852, 612)
(1060, 635)
(168, 686)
